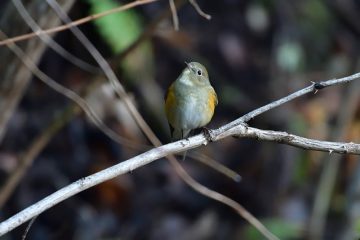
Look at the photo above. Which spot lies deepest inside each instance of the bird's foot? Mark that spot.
(208, 134)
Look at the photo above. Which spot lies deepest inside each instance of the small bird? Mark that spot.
(190, 101)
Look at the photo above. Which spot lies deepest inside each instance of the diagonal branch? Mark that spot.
(240, 130)
(165, 150)
(174, 15)
(52, 43)
(75, 23)
(199, 10)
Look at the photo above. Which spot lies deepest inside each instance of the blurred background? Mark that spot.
(255, 51)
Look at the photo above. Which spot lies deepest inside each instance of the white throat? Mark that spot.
(184, 80)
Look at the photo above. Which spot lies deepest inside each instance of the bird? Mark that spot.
(190, 101)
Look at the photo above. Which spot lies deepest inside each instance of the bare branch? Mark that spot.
(296, 141)
(75, 23)
(174, 15)
(165, 150)
(223, 199)
(28, 228)
(109, 173)
(69, 94)
(198, 9)
(50, 42)
(215, 165)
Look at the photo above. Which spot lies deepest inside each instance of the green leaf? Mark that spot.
(119, 30)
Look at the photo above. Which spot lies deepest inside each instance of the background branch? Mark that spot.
(75, 23)
(15, 79)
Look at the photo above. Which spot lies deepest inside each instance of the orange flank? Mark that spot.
(212, 102)
(170, 103)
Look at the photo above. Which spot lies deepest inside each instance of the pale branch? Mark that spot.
(52, 43)
(94, 179)
(172, 148)
(199, 10)
(290, 139)
(174, 15)
(69, 94)
(28, 228)
(75, 23)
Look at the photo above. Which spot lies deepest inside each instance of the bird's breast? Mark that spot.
(196, 109)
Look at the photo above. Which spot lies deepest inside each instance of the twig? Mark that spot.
(198, 9)
(75, 23)
(50, 42)
(16, 79)
(174, 15)
(215, 165)
(69, 94)
(147, 32)
(224, 199)
(28, 228)
(242, 131)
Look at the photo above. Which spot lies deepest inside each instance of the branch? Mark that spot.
(75, 23)
(198, 9)
(242, 131)
(165, 150)
(52, 43)
(174, 15)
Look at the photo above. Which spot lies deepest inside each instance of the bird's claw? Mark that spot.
(208, 134)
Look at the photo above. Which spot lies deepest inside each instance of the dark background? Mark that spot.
(255, 52)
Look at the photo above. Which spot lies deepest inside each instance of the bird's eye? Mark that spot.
(199, 72)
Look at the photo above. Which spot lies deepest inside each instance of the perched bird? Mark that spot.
(190, 101)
